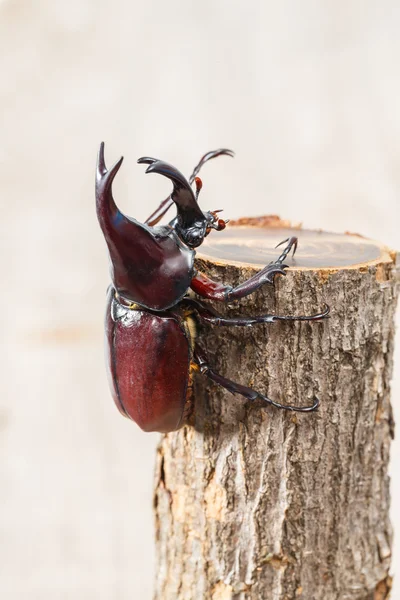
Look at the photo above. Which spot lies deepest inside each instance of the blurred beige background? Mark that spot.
(306, 93)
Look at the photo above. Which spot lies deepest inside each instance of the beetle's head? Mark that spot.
(214, 222)
(191, 224)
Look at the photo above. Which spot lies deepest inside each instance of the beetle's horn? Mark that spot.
(130, 244)
(182, 194)
(104, 177)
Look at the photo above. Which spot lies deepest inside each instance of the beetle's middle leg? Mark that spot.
(208, 315)
(236, 388)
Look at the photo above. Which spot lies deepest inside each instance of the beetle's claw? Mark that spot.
(293, 242)
(275, 270)
(311, 408)
(325, 313)
(280, 243)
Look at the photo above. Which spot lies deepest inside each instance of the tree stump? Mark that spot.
(254, 503)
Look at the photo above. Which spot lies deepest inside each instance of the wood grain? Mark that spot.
(257, 504)
(317, 249)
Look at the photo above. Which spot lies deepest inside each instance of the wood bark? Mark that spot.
(261, 504)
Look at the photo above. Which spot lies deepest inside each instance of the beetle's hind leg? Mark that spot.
(236, 388)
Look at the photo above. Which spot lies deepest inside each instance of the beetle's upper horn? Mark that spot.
(182, 194)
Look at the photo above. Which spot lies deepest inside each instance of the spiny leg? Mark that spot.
(236, 388)
(208, 156)
(166, 204)
(158, 214)
(267, 274)
(207, 288)
(208, 315)
(293, 243)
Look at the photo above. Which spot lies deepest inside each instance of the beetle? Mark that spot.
(151, 347)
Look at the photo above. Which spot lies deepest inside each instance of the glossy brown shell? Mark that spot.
(148, 359)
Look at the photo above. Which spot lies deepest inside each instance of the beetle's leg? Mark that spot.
(208, 156)
(166, 204)
(158, 214)
(209, 315)
(207, 288)
(293, 243)
(237, 388)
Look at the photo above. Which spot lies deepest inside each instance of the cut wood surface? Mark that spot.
(254, 503)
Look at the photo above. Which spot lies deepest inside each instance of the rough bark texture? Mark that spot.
(255, 503)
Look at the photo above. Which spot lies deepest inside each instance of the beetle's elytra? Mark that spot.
(150, 320)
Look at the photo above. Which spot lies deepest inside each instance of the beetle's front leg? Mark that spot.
(207, 288)
(158, 214)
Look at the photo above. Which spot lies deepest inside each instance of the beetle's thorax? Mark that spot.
(156, 275)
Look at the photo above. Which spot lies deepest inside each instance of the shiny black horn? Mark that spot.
(189, 211)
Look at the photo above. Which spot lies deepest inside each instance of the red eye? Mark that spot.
(221, 224)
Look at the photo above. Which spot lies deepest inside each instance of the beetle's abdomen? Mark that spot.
(148, 358)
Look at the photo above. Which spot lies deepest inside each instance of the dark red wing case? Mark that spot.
(148, 359)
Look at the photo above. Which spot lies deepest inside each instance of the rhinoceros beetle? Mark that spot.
(151, 347)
